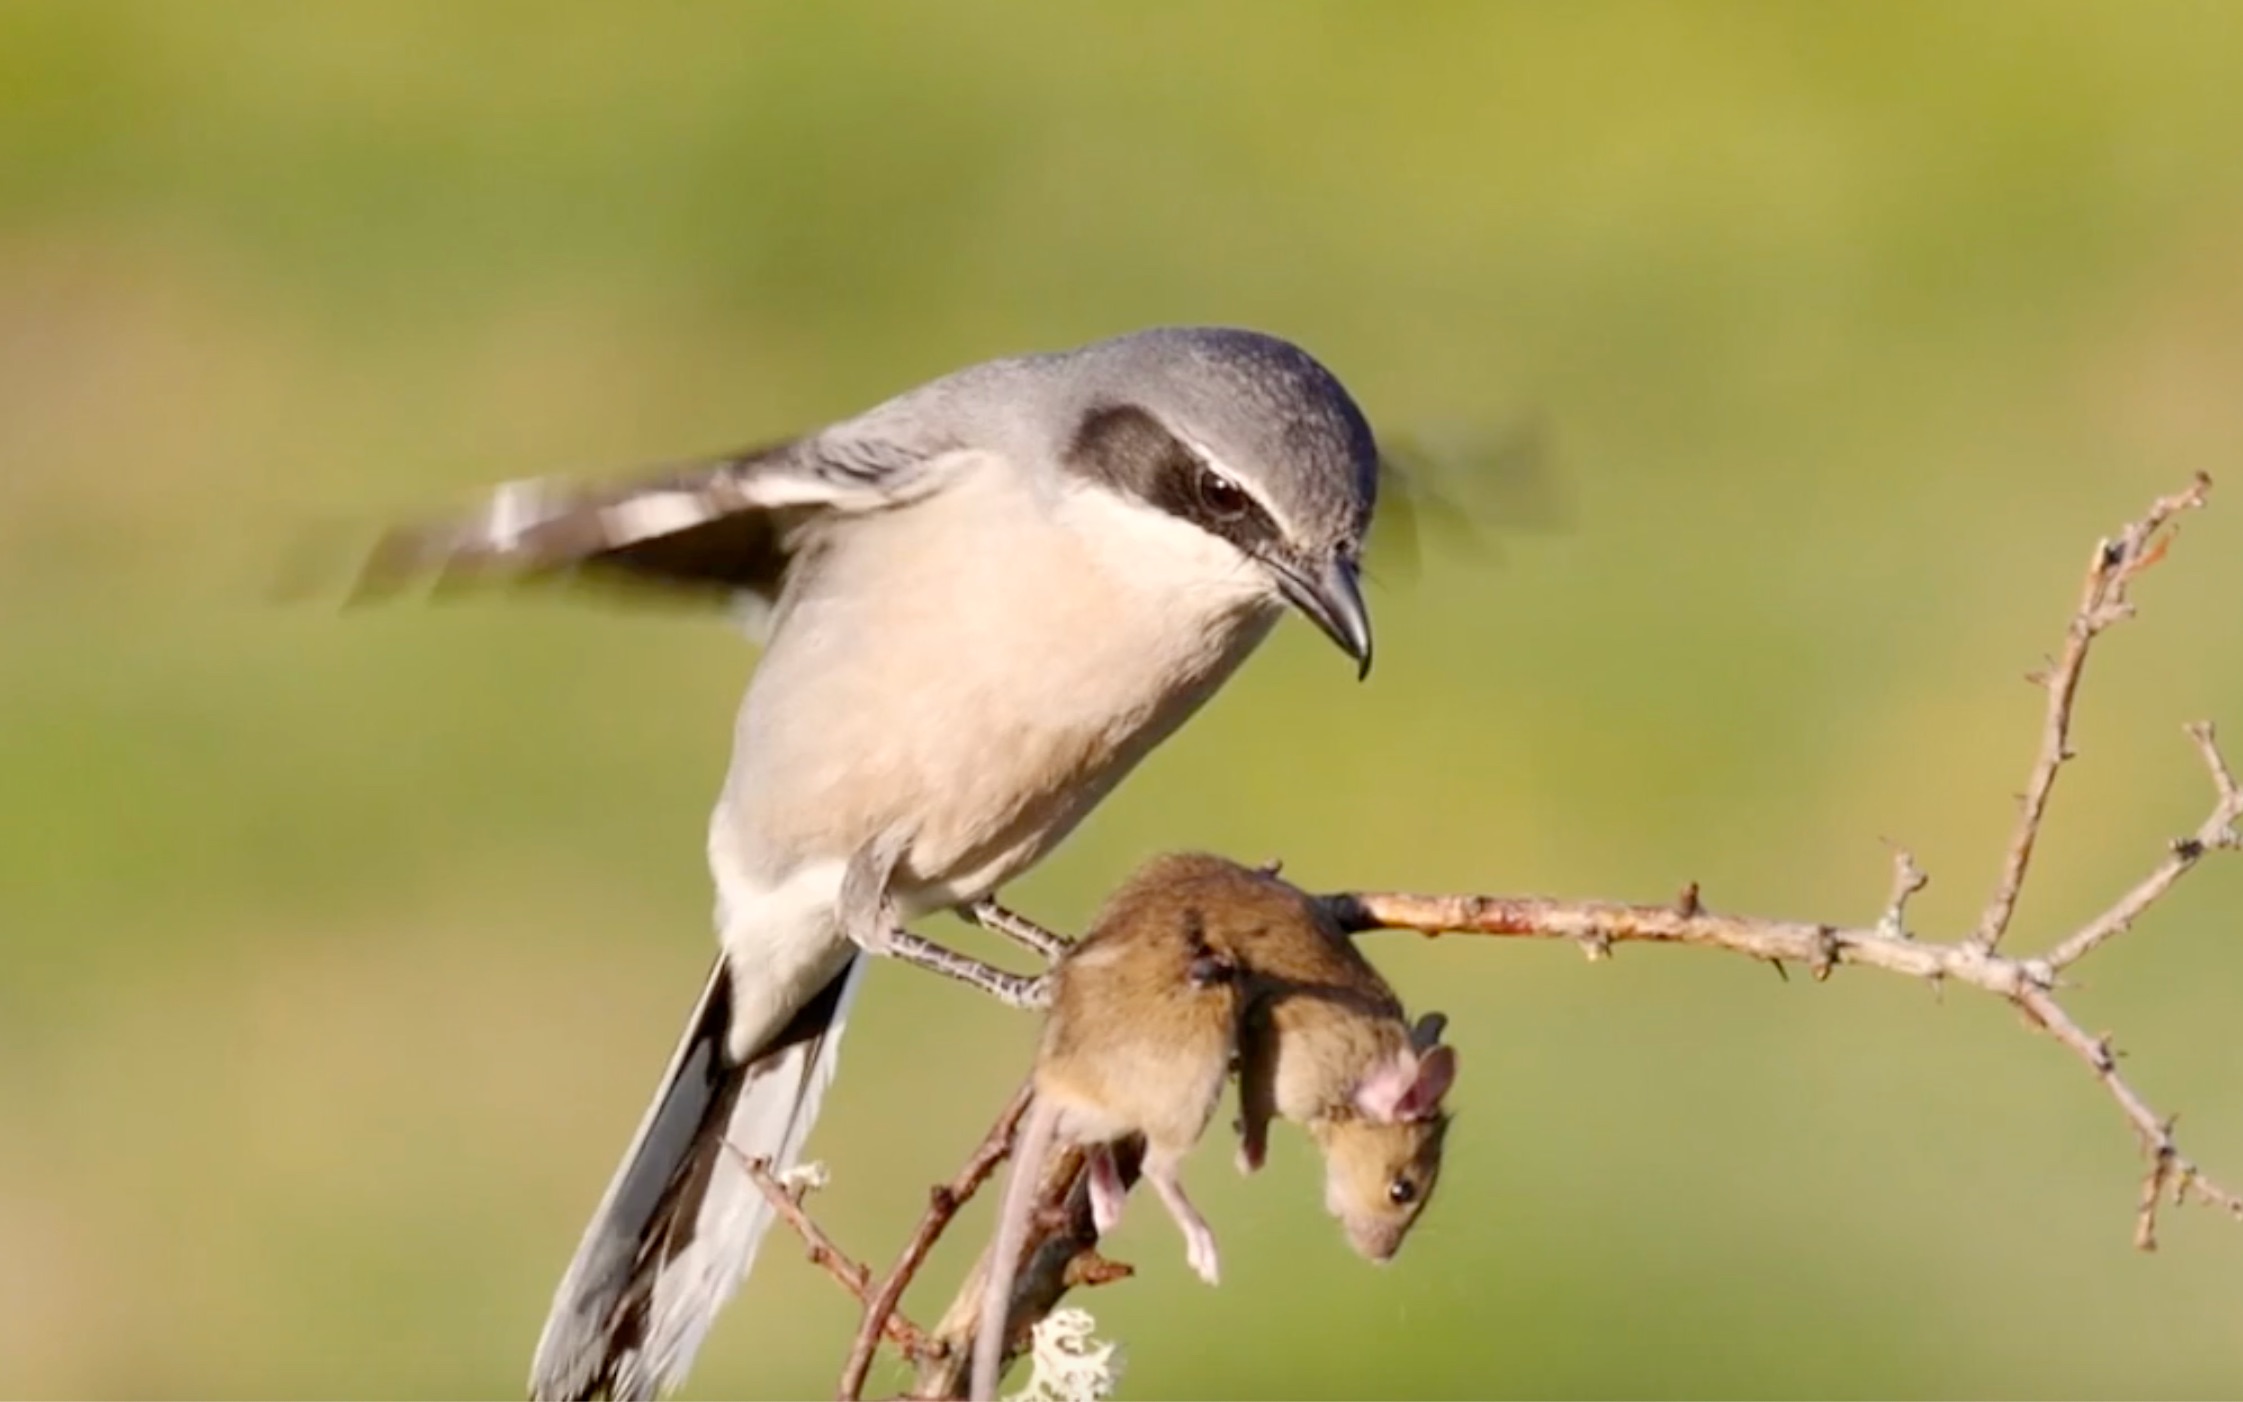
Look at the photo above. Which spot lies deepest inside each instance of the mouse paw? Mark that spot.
(1200, 1253)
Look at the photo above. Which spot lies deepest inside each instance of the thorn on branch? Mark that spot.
(1089, 1269)
(2161, 1172)
(1686, 902)
(1826, 953)
(2105, 1059)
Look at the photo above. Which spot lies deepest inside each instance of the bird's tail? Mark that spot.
(678, 1227)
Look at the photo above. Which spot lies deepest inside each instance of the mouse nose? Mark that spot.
(1375, 1242)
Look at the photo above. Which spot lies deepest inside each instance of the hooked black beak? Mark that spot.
(1330, 597)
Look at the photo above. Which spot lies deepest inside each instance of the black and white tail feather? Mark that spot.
(679, 1225)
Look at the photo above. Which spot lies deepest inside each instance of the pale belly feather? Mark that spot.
(981, 705)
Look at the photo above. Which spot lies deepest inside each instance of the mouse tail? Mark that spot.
(1029, 1151)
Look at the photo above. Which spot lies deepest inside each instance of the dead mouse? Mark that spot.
(1324, 1042)
(1193, 959)
(1138, 1039)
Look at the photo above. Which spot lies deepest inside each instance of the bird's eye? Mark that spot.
(1401, 1192)
(1220, 495)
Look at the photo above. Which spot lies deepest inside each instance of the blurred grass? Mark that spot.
(343, 951)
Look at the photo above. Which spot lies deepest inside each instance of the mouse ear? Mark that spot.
(1427, 1034)
(1435, 1073)
(1383, 1089)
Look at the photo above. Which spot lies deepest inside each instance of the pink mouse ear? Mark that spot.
(1379, 1096)
(1435, 1073)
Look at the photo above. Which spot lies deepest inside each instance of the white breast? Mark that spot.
(978, 669)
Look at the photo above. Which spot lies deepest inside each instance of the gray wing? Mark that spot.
(723, 528)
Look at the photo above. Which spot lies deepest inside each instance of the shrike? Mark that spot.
(981, 604)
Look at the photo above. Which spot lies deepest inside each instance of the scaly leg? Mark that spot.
(1046, 944)
(1013, 990)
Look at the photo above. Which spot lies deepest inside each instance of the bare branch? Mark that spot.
(2102, 602)
(942, 1205)
(2167, 1164)
(854, 1276)
(1613, 922)
(1061, 1255)
(2216, 833)
(2029, 983)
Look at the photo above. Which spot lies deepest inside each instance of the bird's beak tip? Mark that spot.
(1332, 599)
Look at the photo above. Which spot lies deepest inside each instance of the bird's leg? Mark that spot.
(866, 912)
(1013, 990)
(1046, 944)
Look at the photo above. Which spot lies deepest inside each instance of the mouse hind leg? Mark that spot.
(1108, 1193)
(1162, 1171)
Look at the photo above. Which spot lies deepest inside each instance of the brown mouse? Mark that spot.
(1138, 1039)
(1194, 959)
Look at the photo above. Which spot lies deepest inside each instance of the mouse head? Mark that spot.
(1382, 1156)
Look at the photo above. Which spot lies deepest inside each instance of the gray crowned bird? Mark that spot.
(981, 604)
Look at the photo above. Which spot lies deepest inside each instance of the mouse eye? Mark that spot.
(1401, 1192)
(1222, 497)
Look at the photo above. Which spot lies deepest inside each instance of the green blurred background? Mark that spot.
(342, 951)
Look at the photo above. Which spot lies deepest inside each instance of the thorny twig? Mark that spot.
(943, 1202)
(1061, 1255)
(854, 1275)
(2216, 833)
(2102, 602)
(1062, 1251)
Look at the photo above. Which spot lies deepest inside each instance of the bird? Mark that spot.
(981, 603)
